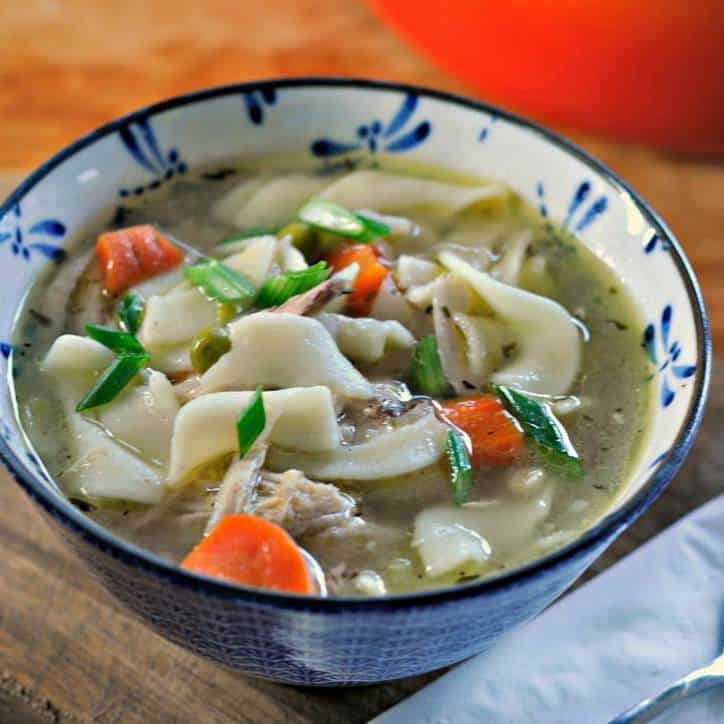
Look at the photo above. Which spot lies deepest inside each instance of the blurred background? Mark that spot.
(650, 71)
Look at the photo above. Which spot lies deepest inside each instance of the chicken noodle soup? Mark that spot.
(351, 382)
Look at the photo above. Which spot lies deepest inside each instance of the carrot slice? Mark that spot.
(495, 438)
(369, 279)
(252, 551)
(128, 256)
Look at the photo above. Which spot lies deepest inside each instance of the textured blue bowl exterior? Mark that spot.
(312, 646)
(334, 642)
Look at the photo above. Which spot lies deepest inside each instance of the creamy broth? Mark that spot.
(394, 533)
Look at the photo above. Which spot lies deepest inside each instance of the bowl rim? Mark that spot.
(602, 533)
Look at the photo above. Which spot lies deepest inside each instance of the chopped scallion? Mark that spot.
(251, 423)
(332, 217)
(248, 234)
(114, 339)
(130, 313)
(376, 229)
(277, 290)
(461, 471)
(544, 429)
(426, 375)
(219, 282)
(113, 380)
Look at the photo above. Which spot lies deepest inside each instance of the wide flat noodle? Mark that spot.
(392, 193)
(171, 360)
(484, 339)
(507, 270)
(261, 257)
(364, 339)
(548, 351)
(397, 452)
(142, 417)
(71, 353)
(278, 350)
(102, 467)
(301, 418)
(451, 537)
(255, 261)
(267, 203)
(451, 294)
(176, 317)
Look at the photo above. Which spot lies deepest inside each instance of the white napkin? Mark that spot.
(648, 620)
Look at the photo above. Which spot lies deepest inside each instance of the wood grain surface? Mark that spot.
(67, 651)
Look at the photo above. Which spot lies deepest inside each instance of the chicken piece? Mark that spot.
(238, 487)
(301, 506)
(289, 499)
(317, 297)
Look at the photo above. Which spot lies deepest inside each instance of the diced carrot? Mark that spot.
(128, 256)
(495, 438)
(252, 551)
(180, 376)
(369, 279)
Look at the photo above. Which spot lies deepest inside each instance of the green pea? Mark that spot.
(301, 235)
(226, 311)
(207, 346)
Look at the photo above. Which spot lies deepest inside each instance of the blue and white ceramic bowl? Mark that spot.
(351, 641)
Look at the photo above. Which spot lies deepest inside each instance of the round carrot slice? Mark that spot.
(252, 551)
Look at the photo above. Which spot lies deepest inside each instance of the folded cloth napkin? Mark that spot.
(650, 619)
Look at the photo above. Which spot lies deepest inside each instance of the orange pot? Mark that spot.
(645, 70)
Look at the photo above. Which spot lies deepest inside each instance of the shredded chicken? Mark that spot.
(314, 299)
(301, 506)
(238, 486)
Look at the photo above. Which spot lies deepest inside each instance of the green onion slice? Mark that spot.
(248, 234)
(130, 313)
(426, 375)
(332, 217)
(277, 290)
(120, 342)
(219, 282)
(461, 471)
(544, 429)
(251, 423)
(113, 380)
(375, 229)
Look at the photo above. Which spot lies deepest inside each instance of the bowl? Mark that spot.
(342, 641)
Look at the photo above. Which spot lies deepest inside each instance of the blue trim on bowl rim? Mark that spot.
(611, 525)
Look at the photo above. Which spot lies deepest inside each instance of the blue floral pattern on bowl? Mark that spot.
(486, 130)
(578, 216)
(666, 357)
(254, 102)
(19, 238)
(655, 242)
(374, 136)
(139, 139)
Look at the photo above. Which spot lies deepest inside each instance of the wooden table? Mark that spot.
(67, 651)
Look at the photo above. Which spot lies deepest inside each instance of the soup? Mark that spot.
(360, 381)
